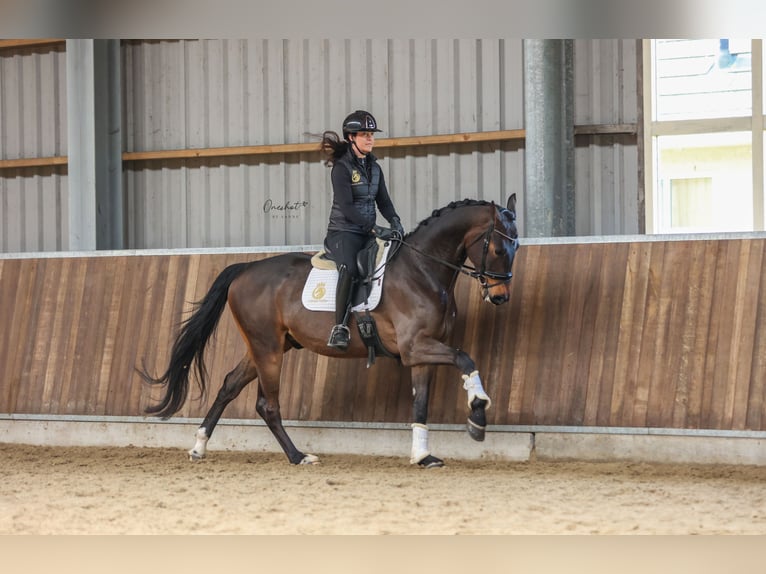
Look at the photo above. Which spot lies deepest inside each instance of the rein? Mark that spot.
(482, 274)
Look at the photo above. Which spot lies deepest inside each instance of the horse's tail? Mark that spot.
(189, 346)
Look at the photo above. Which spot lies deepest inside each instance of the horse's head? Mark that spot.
(492, 249)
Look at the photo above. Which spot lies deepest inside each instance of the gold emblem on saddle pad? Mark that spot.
(319, 292)
(355, 177)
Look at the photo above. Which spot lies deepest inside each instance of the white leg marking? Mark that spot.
(200, 447)
(419, 443)
(472, 384)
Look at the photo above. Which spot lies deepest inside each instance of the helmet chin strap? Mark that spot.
(353, 143)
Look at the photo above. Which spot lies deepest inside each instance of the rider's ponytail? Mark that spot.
(333, 147)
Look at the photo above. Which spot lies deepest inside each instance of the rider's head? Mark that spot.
(359, 131)
(359, 121)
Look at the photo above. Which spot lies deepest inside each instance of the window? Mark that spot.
(704, 135)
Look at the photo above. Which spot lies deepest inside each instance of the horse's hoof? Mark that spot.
(431, 462)
(476, 432)
(195, 456)
(309, 459)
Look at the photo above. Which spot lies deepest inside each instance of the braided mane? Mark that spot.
(451, 206)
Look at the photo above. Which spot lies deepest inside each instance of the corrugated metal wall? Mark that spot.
(606, 166)
(210, 93)
(229, 93)
(33, 123)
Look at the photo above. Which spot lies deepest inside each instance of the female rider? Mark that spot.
(358, 187)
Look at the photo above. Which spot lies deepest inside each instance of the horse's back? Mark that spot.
(275, 272)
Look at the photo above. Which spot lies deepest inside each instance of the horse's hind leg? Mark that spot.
(233, 384)
(269, 371)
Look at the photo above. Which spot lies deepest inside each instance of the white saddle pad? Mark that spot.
(319, 290)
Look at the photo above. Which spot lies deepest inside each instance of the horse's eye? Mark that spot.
(500, 252)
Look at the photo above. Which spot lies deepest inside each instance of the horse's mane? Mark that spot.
(451, 206)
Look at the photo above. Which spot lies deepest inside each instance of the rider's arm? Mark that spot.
(386, 206)
(383, 199)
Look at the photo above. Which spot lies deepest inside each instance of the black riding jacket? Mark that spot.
(358, 186)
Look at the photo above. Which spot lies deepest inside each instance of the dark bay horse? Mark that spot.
(415, 318)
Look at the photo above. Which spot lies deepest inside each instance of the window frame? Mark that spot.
(652, 129)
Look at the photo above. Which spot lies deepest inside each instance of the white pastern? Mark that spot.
(419, 443)
(200, 447)
(472, 385)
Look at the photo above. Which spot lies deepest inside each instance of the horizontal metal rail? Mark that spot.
(531, 429)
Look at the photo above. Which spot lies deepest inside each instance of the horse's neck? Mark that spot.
(441, 243)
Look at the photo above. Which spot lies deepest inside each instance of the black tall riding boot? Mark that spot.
(340, 335)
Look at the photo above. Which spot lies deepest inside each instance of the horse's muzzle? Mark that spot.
(498, 299)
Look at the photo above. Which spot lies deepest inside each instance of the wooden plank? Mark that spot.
(608, 327)
(28, 392)
(314, 147)
(109, 372)
(709, 255)
(11, 44)
(319, 382)
(674, 331)
(695, 322)
(59, 339)
(552, 308)
(33, 162)
(756, 403)
(580, 312)
(527, 356)
(89, 345)
(132, 309)
(629, 344)
(749, 284)
(9, 284)
(718, 373)
(72, 326)
(653, 335)
(497, 136)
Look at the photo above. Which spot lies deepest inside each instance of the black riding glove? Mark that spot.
(397, 226)
(383, 233)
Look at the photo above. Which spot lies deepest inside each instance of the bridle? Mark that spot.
(482, 275)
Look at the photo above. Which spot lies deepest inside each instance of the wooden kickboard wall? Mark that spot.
(668, 334)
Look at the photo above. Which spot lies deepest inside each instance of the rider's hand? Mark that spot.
(397, 226)
(383, 233)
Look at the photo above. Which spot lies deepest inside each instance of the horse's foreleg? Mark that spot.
(478, 402)
(421, 386)
(233, 384)
(268, 407)
(435, 352)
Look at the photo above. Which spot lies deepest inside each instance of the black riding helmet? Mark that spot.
(359, 121)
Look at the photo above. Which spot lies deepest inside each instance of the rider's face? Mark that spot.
(364, 142)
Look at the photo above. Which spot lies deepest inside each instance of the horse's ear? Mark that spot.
(511, 205)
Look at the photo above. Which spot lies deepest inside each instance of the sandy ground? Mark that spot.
(54, 490)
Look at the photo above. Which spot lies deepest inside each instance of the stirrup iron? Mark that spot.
(339, 337)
